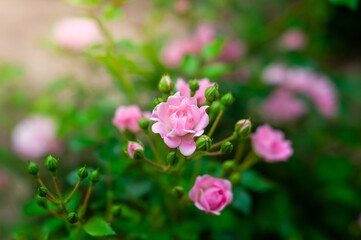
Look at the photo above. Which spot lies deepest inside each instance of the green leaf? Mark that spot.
(242, 200)
(212, 50)
(84, 3)
(111, 12)
(190, 65)
(215, 70)
(98, 227)
(254, 181)
(352, 4)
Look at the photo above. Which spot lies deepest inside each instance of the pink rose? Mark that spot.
(128, 118)
(76, 34)
(275, 74)
(283, 106)
(178, 121)
(184, 89)
(271, 145)
(35, 137)
(232, 51)
(293, 39)
(211, 194)
(132, 147)
(181, 6)
(205, 33)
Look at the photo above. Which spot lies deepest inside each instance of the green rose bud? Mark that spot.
(194, 86)
(228, 167)
(42, 191)
(235, 178)
(165, 84)
(227, 99)
(211, 93)
(82, 172)
(157, 101)
(144, 124)
(226, 147)
(33, 168)
(72, 217)
(51, 164)
(178, 191)
(243, 128)
(94, 176)
(215, 107)
(40, 201)
(203, 143)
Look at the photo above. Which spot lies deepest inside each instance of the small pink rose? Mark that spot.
(211, 194)
(293, 39)
(184, 89)
(243, 124)
(178, 121)
(132, 147)
(271, 145)
(128, 118)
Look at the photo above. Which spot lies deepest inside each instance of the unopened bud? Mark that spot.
(33, 168)
(194, 86)
(215, 107)
(116, 211)
(178, 191)
(42, 191)
(40, 201)
(243, 127)
(157, 101)
(226, 147)
(51, 164)
(172, 158)
(211, 93)
(227, 99)
(144, 124)
(82, 172)
(165, 84)
(203, 143)
(228, 167)
(235, 178)
(135, 151)
(94, 176)
(72, 217)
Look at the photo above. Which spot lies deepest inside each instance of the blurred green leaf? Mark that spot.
(254, 181)
(215, 70)
(84, 3)
(212, 50)
(9, 72)
(352, 4)
(111, 12)
(98, 227)
(242, 200)
(190, 65)
(32, 209)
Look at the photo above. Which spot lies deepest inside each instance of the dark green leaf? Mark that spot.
(253, 181)
(98, 227)
(242, 201)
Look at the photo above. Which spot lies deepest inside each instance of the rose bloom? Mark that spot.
(178, 121)
(35, 137)
(76, 34)
(132, 147)
(127, 118)
(282, 106)
(271, 145)
(293, 39)
(211, 194)
(184, 89)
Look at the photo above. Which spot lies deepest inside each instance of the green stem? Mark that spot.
(55, 213)
(154, 150)
(215, 123)
(68, 198)
(58, 191)
(214, 153)
(41, 183)
(83, 207)
(230, 138)
(250, 160)
(156, 165)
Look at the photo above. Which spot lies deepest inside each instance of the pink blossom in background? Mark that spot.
(173, 53)
(271, 145)
(132, 147)
(178, 121)
(181, 6)
(301, 80)
(205, 33)
(293, 39)
(232, 51)
(184, 89)
(283, 106)
(211, 194)
(127, 118)
(35, 137)
(76, 34)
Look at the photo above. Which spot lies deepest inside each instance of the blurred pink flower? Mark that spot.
(293, 39)
(178, 121)
(127, 118)
(132, 147)
(232, 51)
(271, 145)
(184, 89)
(35, 137)
(211, 194)
(282, 106)
(76, 34)
(205, 33)
(181, 6)
(301, 80)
